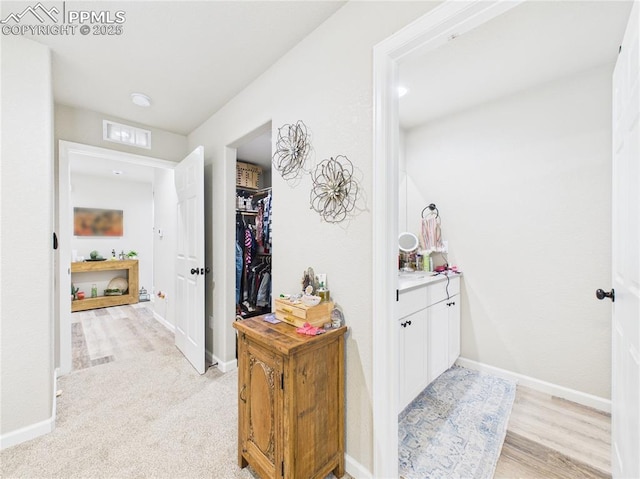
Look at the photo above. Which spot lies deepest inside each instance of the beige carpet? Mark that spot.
(150, 415)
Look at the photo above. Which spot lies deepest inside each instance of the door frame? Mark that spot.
(67, 151)
(223, 332)
(434, 29)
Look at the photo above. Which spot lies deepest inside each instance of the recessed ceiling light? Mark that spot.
(140, 99)
(117, 172)
(402, 91)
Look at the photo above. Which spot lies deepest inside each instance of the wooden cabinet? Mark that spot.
(129, 267)
(290, 400)
(428, 316)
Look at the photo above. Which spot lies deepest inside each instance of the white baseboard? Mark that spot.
(355, 469)
(38, 429)
(164, 322)
(539, 385)
(224, 366)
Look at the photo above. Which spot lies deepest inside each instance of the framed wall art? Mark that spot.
(98, 222)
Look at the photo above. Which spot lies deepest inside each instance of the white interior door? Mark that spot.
(190, 268)
(625, 388)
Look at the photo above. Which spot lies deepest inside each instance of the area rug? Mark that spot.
(455, 428)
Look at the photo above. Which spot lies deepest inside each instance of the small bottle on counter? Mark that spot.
(323, 291)
(94, 291)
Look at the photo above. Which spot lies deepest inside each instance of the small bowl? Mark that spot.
(309, 300)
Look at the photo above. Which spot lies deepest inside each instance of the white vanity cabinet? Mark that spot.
(428, 317)
(412, 359)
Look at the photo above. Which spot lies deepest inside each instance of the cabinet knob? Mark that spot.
(195, 271)
(405, 324)
(452, 303)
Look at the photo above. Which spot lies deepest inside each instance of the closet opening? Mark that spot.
(253, 239)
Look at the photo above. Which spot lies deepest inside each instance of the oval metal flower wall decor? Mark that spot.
(292, 150)
(334, 190)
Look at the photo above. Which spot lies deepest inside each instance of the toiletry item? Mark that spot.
(323, 291)
(419, 262)
(426, 261)
(94, 291)
(337, 318)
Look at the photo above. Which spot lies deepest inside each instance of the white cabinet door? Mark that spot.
(453, 306)
(438, 332)
(412, 356)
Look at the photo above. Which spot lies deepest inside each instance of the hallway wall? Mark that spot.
(325, 81)
(26, 254)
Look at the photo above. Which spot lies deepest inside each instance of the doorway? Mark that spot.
(254, 147)
(442, 26)
(90, 161)
(253, 212)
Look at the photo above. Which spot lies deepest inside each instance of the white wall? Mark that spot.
(164, 247)
(136, 201)
(26, 256)
(85, 126)
(326, 81)
(523, 186)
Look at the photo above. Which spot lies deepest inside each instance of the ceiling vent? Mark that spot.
(125, 134)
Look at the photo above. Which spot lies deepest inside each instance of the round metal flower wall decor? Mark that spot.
(334, 190)
(292, 150)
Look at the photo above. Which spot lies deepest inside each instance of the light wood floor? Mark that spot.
(552, 438)
(110, 334)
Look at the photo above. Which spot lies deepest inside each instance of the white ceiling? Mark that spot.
(190, 57)
(535, 42)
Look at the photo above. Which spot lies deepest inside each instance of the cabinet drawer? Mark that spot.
(411, 301)
(298, 313)
(441, 290)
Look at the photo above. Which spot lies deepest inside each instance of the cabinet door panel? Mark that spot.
(454, 329)
(413, 356)
(263, 410)
(438, 339)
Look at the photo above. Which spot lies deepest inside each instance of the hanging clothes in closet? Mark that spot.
(253, 259)
(263, 223)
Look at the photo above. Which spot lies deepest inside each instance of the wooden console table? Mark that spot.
(128, 265)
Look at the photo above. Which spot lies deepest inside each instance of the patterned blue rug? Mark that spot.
(455, 428)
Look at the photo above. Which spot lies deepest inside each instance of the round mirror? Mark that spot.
(407, 242)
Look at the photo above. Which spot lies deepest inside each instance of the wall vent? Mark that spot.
(125, 134)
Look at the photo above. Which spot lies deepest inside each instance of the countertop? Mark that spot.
(410, 280)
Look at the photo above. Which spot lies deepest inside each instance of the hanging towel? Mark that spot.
(430, 235)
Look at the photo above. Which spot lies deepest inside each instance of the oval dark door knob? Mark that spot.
(601, 294)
